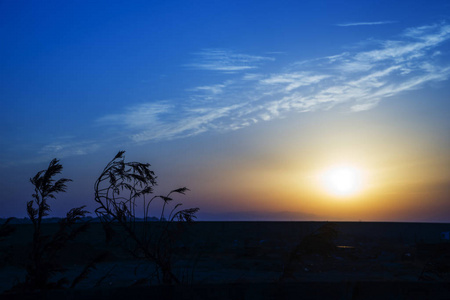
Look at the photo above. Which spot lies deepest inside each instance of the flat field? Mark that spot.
(252, 255)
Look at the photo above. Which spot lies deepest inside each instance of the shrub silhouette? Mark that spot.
(320, 242)
(118, 190)
(6, 229)
(44, 248)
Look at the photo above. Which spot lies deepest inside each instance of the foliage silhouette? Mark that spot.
(118, 190)
(437, 266)
(88, 268)
(6, 229)
(320, 242)
(44, 248)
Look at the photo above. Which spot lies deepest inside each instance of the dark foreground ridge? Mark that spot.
(252, 260)
(259, 291)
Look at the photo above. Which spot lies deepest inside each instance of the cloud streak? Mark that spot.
(66, 147)
(226, 61)
(355, 81)
(365, 23)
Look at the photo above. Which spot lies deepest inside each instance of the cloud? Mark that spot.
(139, 116)
(64, 147)
(226, 61)
(292, 81)
(355, 80)
(365, 23)
(155, 121)
(213, 89)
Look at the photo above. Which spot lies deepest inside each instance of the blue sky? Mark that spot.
(195, 88)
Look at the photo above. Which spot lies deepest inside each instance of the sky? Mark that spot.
(252, 105)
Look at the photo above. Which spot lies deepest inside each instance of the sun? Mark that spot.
(342, 180)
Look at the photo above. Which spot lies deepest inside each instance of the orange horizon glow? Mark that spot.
(394, 180)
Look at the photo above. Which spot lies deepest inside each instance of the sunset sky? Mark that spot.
(265, 110)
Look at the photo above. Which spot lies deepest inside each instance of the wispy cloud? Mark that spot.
(292, 81)
(226, 61)
(355, 81)
(66, 147)
(154, 121)
(213, 89)
(365, 23)
(139, 116)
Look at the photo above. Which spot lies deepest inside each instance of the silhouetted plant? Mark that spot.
(6, 229)
(119, 189)
(437, 266)
(44, 248)
(320, 242)
(89, 267)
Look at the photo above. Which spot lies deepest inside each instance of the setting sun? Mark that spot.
(342, 180)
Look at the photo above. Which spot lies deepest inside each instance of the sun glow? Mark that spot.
(342, 181)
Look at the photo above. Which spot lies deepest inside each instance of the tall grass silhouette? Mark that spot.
(43, 265)
(119, 189)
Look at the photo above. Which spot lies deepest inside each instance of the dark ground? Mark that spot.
(212, 259)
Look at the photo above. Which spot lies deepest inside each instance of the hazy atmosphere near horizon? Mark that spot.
(265, 110)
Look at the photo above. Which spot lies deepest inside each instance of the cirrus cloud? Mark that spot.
(357, 80)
